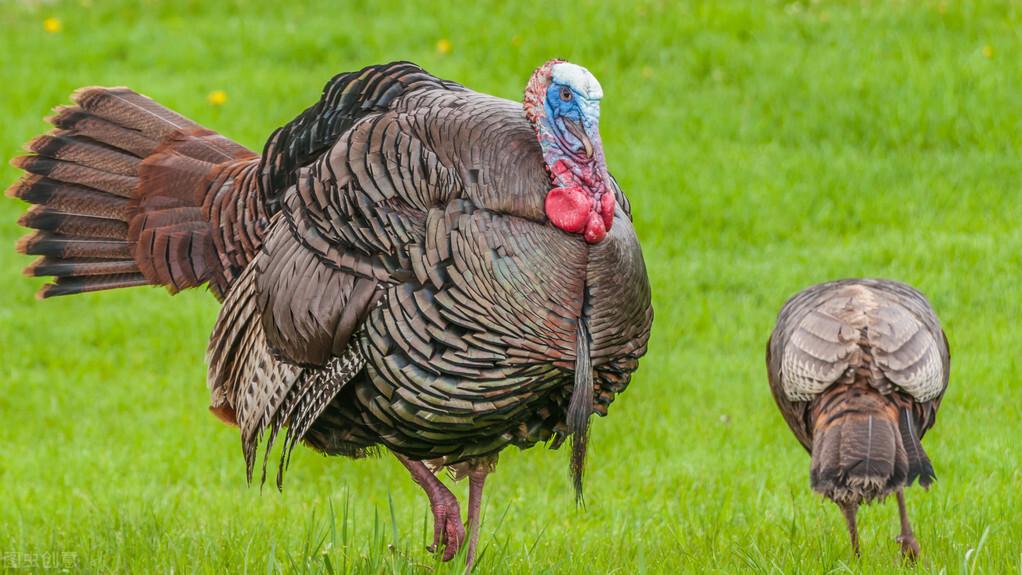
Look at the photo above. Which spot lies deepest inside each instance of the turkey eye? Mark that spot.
(566, 94)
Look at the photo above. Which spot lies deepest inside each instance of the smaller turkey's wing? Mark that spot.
(911, 349)
(808, 351)
(815, 368)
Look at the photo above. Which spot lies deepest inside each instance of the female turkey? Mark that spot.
(858, 368)
(409, 264)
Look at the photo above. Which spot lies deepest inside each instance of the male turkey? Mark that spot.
(858, 368)
(409, 264)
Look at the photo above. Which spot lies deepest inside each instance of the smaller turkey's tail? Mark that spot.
(122, 191)
(858, 451)
(919, 466)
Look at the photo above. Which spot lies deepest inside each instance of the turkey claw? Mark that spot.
(448, 530)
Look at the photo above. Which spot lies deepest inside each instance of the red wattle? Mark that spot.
(595, 230)
(569, 208)
(607, 204)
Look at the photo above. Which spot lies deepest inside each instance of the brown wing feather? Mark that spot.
(795, 413)
(308, 309)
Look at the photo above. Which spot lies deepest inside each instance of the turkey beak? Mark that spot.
(576, 130)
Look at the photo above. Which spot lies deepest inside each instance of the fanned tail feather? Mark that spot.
(118, 189)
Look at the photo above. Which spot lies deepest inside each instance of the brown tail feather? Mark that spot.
(71, 147)
(95, 128)
(45, 219)
(125, 107)
(123, 191)
(71, 199)
(57, 246)
(79, 267)
(85, 284)
(857, 452)
(70, 173)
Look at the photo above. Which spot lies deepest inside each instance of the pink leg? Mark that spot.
(909, 545)
(476, 478)
(448, 531)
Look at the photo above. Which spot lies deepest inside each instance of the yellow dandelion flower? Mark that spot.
(988, 52)
(52, 25)
(217, 97)
(443, 46)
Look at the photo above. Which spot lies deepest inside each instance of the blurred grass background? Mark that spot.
(764, 146)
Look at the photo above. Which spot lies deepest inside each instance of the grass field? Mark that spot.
(764, 146)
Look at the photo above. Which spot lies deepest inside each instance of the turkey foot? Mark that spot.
(909, 546)
(448, 531)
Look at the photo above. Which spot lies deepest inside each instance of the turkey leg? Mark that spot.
(909, 545)
(476, 478)
(850, 510)
(448, 531)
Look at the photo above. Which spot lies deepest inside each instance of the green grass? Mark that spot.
(765, 146)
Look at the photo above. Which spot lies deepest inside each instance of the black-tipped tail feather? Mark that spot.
(82, 178)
